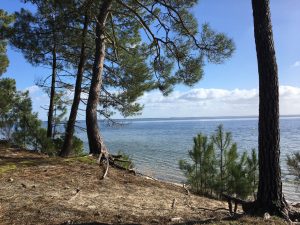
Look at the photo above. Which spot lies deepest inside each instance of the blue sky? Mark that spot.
(236, 79)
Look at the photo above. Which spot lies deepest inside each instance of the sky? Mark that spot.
(229, 89)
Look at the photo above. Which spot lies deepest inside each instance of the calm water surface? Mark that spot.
(156, 145)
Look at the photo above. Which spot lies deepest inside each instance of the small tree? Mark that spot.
(60, 111)
(293, 163)
(8, 98)
(223, 141)
(252, 167)
(236, 180)
(227, 172)
(27, 124)
(202, 170)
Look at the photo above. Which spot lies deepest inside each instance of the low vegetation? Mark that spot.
(19, 126)
(293, 163)
(215, 167)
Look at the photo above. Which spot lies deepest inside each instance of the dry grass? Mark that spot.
(36, 189)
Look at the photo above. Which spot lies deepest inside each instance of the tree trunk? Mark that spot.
(269, 196)
(95, 140)
(67, 146)
(52, 94)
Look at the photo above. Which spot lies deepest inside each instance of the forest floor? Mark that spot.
(36, 189)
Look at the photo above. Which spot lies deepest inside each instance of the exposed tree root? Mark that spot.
(246, 206)
(252, 208)
(111, 160)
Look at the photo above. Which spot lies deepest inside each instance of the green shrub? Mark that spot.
(293, 163)
(77, 145)
(225, 172)
(128, 162)
(45, 144)
(201, 172)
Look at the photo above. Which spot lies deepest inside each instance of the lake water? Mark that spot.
(156, 145)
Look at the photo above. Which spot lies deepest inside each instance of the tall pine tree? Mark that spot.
(176, 50)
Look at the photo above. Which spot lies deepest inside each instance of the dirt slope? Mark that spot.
(35, 189)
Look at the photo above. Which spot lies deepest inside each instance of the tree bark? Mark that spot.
(52, 94)
(95, 140)
(269, 196)
(67, 145)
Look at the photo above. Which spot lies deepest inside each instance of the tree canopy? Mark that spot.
(5, 21)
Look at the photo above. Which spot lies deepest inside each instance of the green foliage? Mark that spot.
(223, 141)
(20, 126)
(45, 144)
(5, 21)
(8, 101)
(227, 172)
(27, 123)
(77, 145)
(7, 167)
(60, 110)
(126, 160)
(252, 166)
(293, 163)
(236, 178)
(201, 172)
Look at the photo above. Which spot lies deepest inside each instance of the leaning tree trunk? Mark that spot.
(67, 146)
(269, 196)
(52, 94)
(95, 140)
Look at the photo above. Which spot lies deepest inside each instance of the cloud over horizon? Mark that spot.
(196, 102)
(215, 102)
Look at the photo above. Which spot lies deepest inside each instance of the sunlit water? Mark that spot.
(156, 145)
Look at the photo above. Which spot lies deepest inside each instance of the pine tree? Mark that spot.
(237, 180)
(8, 101)
(293, 163)
(41, 39)
(27, 125)
(252, 171)
(223, 141)
(201, 172)
(173, 39)
(60, 111)
(269, 195)
(5, 21)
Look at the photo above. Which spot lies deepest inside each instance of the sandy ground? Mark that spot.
(36, 189)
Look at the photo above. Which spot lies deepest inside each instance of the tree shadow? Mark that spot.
(97, 223)
(212, 220)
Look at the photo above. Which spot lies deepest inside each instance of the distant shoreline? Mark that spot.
(195, 118)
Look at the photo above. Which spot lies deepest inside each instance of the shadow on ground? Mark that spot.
(96, 223)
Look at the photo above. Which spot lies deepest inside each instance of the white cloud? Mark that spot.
(40, 100)
(215, 102)
(195, 102)
(296, 64)
(32, 89)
